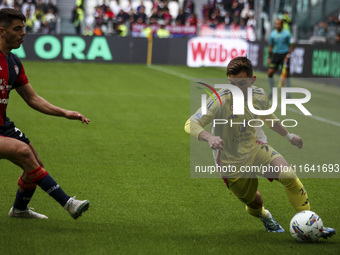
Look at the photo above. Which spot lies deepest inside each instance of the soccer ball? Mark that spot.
(306, 226)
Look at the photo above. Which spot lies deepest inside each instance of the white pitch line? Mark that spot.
(315, 117)
(184, 76)
(164, 70)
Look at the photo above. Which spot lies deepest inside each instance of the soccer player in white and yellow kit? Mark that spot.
(238, 144)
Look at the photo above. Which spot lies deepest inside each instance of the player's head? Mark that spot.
(8, 15)
(239, 65)
(240, 72)
(12, 24)
(278, 24)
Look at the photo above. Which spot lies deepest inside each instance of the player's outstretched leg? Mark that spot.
(47, 183)
(267, 219)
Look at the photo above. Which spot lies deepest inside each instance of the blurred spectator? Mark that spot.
(287, 21)
(88, 31)
(140, 6)
(29, 22)
(162, 32)
(167, 16)
(132, 17)
(227, 5)
(236, 7)
(217, 17)
(108, 14)
(122, 29)
(4, 4)
(331, 21)
(157, 4)
(97, 30)
(228, 19)
(337, 39)
(51, 21)
(37, 24)
(141, 14)
(42, 6)
(45, 28)
(188, 7)
(77, 18)
(154, 16)
(322, 29)
(236, 18)
(180, 19)
(147, 31)
(251, 21)
(192, 20)
(122, 16)
(28, 5)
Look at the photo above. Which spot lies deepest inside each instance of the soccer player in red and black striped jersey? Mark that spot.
(14, 145)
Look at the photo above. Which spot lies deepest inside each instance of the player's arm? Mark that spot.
(293, 138)
(40, 104)
(196, 123)
(195, 129)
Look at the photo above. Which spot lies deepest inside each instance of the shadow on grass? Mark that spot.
(55, 236)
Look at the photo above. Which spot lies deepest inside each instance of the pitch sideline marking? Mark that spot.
(187, 77)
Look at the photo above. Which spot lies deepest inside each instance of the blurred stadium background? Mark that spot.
(132, 162)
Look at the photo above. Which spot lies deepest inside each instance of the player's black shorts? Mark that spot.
(10, 130)
(277, 60)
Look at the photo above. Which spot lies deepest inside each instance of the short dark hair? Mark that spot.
(8, 15)
(239, 65)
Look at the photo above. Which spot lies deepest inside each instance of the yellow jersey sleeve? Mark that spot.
(196, 123)
(262, 103)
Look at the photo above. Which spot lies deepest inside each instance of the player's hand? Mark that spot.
(216, 143)
(297, 141)
(268, 61)
(76, 116)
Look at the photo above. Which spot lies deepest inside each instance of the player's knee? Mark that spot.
(288, 177)
(257, 202)
(24, 154)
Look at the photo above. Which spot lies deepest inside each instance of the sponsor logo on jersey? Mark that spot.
(4, 87)
(16, 68)
(4, 101)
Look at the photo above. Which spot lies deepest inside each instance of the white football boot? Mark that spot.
(28, 213)
(76, 207)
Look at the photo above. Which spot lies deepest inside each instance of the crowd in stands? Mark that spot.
(119, 17)
(41, 15)
(328, 31)
(112, 17)
(229, 13)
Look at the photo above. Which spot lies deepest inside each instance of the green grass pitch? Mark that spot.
(132, 163)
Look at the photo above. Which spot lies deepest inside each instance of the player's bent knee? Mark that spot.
(24, 152)
(287, 174)
(25, 157)
(257, 203)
